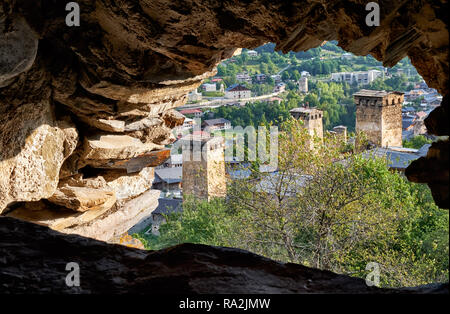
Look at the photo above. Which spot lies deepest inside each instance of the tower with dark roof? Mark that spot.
(379, 116)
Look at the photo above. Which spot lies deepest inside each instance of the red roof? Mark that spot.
(216, 80)
(421, 114)
(190, 111)
(201, 133)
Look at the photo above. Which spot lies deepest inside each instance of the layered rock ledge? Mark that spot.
(33, 260)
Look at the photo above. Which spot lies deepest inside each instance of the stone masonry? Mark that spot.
(203, 167)
(379, 116)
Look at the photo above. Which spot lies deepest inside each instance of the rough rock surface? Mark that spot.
(119, 219)
(82, 198)
(122, 72)
(32, 151)
(33, 260)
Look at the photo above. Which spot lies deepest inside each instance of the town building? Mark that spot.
(203, 167)
(359, 77)
(175, 160)
(279, 88)
(252, 53)
(346, 56)
(168, 179)
(414, 94)
(341, 132)
(209, 87)
(237, 91)
(260, 78)
(196, 113)
(305, 73)
(187, 125)
(379, 116)
(312, 119)
(194, 96)
(216, 124)
(243, 77)
(398, 158)
(276, 78)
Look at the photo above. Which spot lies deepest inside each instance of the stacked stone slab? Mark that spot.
(78, 155)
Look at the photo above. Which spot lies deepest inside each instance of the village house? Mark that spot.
(260, 78)
(237, 91)
(279, 88)
(305, 73)
(414, 94)
(398, 158)
(168, 179)
(209, 87)
(276, 100)
(360, 77)
(175, 160)
(216, 124)
(346, 56)
(185, 127)
(252, 53)
(243, 77)
(196, 113)
(276, 78)
(194, 96)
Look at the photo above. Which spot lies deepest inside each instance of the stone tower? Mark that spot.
(379, 116)
(203, 167)
(312, 119)
(341, 131)
(303, 84)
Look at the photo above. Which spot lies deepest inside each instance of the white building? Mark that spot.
(237, 91)
(194, 96)
(252, 53)
(305, 73)
(346, 56)
(217, 124)
(207, 87)
(360, 77)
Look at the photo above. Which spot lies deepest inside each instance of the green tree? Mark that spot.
(416, 142)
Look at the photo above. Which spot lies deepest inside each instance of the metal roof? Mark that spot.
(169, 175)
(168, 206)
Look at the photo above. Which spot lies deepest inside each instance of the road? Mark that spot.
(224, 101)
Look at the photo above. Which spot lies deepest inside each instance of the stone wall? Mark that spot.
(391, 121)
(380, 118)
